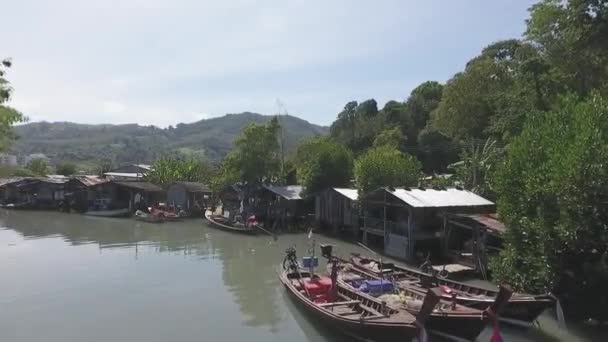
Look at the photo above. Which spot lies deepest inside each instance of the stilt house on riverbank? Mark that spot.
(408, 222)
(137, 195)
(33, 192)
(285, 208)
(90, 192)
(336, 210)
(483, 232)
(192, 197)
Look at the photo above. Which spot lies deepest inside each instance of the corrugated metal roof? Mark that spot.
(194, 186)
(450, 197)
(124, 174)
(351, 194)
(7, 181)
(289, 192)
(144, 186)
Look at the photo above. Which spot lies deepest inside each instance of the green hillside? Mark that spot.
(132, 143)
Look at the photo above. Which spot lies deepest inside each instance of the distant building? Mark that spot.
(8, 159)
(129, 172)
(191, 197)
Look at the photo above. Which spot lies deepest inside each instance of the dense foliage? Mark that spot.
(256, 158)
(553, 192)
(66, 169)
(168, 170)
(8, 115)
(385, 167)
(322, 163)
(38, 167)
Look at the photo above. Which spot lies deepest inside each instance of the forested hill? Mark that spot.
(212, 138)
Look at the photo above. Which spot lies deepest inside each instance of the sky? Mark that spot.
(161, 62)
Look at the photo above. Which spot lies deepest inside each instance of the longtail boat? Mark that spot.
(223, 223)
(351, 312)
(521, 309)
(125, 212)
(448, 319)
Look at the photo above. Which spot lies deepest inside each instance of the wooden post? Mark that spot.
(410, 232)
(384, 237)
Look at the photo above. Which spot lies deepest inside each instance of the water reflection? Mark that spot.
(224, 286)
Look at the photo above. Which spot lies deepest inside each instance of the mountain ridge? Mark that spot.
(124, 143)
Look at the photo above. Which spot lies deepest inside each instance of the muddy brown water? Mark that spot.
(68, 277)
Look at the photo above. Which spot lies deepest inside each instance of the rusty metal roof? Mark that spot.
(488, 220)
(289, 192)
(91, 180)
(351, 194)
(432, 198)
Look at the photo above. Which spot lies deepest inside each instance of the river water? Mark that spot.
(68, 277)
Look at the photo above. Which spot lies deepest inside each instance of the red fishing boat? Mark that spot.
(353, 313)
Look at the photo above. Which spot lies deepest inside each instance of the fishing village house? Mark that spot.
(192, 197)
(409, 222)
(33, 192)
(90, 192)
(137, 195)
(485, 230)
(336, 210)
(283, 207)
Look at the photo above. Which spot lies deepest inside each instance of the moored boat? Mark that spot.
(148, 217)
(223, 223)
(351, 312)
(521, 309)
(109, 213)
(448, 319)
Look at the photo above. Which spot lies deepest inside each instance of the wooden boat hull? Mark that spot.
(521, 309)
(360, 329)
(225, 227)
(109, 213)
(461, 323)
(148, 218)
(18, 206)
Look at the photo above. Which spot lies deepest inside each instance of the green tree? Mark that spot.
(572, 35)
(385, 167)
(168, 170)
(477, 166)
(8, 115)
(38, 166)
(552, 195)
(256, 157)
(423, 100)
(488, 98)
(436, 150)
(66, 169)
(392, 138)
(322, 163)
